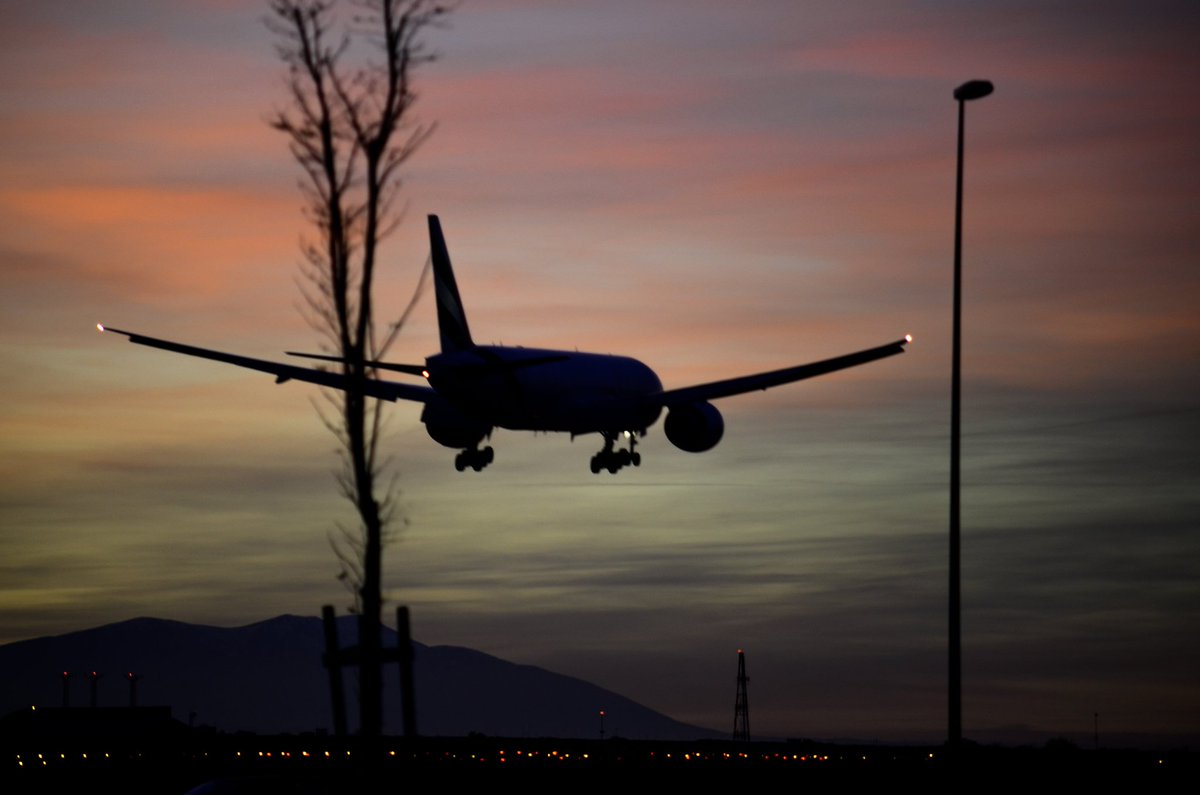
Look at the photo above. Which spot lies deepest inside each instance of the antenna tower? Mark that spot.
(741, 706)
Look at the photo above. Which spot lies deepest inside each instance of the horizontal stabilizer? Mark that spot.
(411, 369)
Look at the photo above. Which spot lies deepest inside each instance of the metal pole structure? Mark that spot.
(408, 690)
(741, 705)
(973, 89)
(333, 664)
(133, 680)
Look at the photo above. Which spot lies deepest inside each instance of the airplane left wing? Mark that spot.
(384, 390)
(759, 381)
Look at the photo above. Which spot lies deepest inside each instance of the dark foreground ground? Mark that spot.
(220, 763)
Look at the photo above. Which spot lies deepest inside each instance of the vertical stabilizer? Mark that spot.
(452, 320)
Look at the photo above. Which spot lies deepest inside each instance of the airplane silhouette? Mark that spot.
(472, 389)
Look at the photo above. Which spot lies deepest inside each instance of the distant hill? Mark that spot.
(267, 678)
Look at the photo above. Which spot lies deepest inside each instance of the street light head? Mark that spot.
(973, 89)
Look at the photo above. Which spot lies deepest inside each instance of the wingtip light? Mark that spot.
(908, 337)
(100, 327)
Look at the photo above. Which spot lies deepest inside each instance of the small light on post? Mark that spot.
(973, 89)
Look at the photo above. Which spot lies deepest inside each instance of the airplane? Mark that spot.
(471, 389)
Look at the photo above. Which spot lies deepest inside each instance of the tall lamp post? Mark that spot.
(972, 89)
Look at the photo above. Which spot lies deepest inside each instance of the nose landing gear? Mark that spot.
(475, 458)
(614, 460)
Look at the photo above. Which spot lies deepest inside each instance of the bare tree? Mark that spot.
(350, 129)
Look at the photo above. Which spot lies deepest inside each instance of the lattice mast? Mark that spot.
(741, 706)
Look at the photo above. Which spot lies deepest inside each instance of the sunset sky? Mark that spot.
(712, 188)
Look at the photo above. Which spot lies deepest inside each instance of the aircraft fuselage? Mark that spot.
(547, 390)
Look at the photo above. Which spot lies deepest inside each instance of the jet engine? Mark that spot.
(451, 428)
(694, 427)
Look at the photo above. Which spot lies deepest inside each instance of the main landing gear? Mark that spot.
(475, 458)
(613, 460)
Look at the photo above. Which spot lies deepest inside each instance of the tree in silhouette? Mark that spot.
(349, 126)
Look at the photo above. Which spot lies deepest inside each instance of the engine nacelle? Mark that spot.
(694, 427)
(449, 427)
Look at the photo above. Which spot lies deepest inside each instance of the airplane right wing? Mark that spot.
(383, 390)
(759, 381)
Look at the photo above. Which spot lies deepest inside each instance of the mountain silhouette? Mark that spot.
(268, 678)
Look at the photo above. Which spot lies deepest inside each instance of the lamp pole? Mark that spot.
(972, 89)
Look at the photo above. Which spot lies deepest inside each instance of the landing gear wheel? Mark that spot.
(476, 459)
(615, 460)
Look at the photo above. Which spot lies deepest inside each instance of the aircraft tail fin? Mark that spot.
(452, 320)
